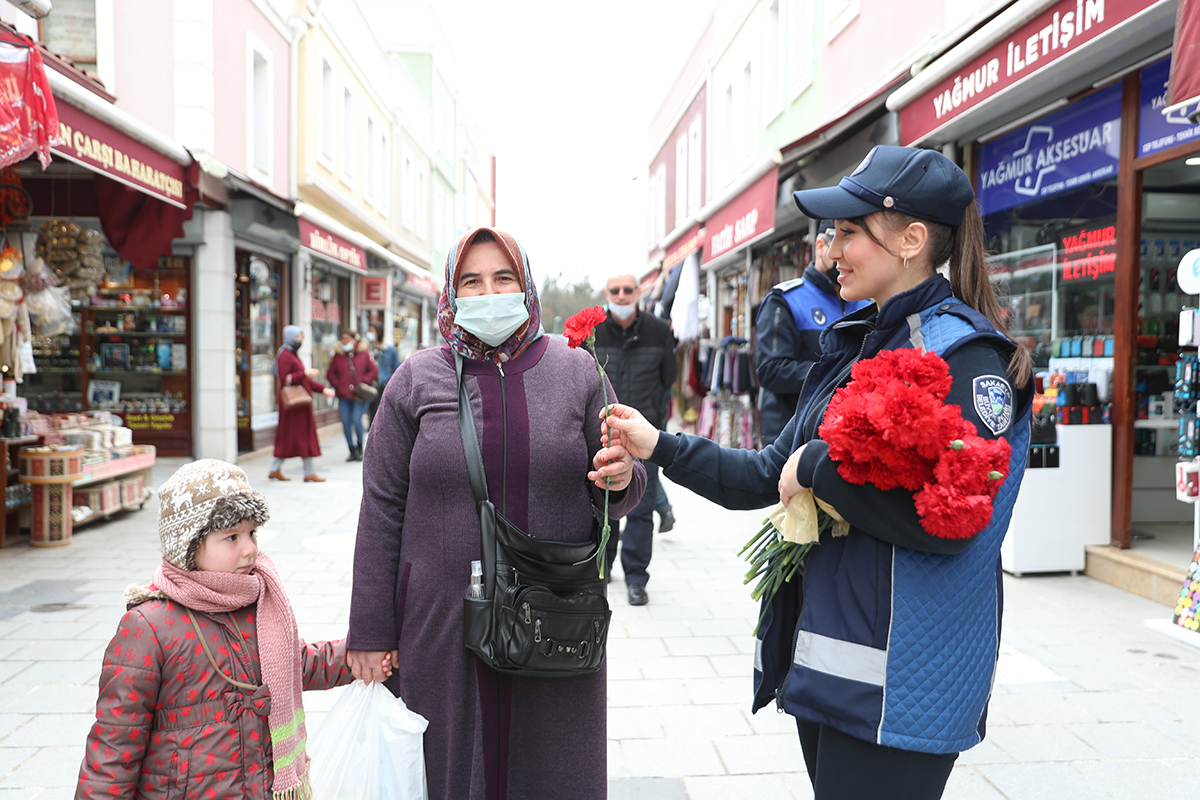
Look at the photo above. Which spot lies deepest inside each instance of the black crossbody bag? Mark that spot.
(543, 612)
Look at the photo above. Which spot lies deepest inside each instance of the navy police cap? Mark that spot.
(922, 183)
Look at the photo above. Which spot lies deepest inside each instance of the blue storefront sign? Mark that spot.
(1066, 149)
(1157, 131)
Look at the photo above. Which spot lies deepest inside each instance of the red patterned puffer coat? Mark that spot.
(167, 726)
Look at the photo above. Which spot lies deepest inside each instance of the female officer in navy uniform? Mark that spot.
(886, 648)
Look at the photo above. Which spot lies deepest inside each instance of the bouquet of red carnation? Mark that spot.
(580, 330)
(890, 427)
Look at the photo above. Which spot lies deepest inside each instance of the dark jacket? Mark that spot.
(344, 376)
(639, 362)
(790, 321)
(891, 635)
(168, 726)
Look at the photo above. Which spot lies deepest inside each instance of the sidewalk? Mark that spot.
(1089, 703)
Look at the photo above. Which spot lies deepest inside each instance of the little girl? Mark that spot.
(200, 695)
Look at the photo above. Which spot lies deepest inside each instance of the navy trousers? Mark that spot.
(637, 539)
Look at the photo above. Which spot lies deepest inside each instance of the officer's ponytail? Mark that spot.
(971, 282)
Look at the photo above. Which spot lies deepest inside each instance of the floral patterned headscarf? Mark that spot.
(467, 344)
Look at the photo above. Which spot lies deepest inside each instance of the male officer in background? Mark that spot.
(637, 350)
(790, 321)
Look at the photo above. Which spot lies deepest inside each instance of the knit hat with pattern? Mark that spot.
(203, 496)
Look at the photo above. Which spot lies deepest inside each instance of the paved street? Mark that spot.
(1089, 703)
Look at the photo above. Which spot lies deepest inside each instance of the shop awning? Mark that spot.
(684, 245)
(98, 135)
(1183, 94)
(1029, 50)
(332, 247)
(745, 219)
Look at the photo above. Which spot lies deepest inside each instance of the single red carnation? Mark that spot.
(949, 515)
(579, 327)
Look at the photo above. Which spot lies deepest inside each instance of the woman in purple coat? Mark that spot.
(536, 404)
(296, 434)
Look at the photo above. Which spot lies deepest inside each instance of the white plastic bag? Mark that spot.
(370, 747)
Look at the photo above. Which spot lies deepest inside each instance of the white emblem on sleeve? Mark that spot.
(993, 402)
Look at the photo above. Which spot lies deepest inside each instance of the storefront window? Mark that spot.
(406, 332)
(329, 295)
(1048, 195)
(259, 334)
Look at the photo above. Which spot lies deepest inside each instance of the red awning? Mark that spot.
(1184, 88)
(745, 219)
(102, 148)
(332, 247)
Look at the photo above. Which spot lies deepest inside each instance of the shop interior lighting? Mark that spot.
(1193, 162)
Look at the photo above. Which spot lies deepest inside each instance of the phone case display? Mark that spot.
(1187, 609)
(129, 353)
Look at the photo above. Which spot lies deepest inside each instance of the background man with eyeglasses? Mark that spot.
(637, 350)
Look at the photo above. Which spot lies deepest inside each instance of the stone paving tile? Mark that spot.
(731, 627)
(48, 767)
(615, 762)
(677, 667)
(53, 650)
(52, 730)
(632, 648)
(703, 691)
(1030, 743)
(50, 700)
(722, 787)
(768, 720)
(1042, 782)
(29, 794)
(674, 758)
(699, 645)
(989, 751)
(752, 755)
(1121, 706)
(1027, 709)
(1131, 740)
(646, 789)
(9, 669)
(54, 630)
(732, 666)
(10, 722)
(1187, 767)
(798, 784)
(966, 783)
(1123, 778)
(684, 721)
(645, 693)
(54, 673)
(13, 757)
(653, 628)
(633, 723)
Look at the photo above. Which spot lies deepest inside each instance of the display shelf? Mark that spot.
(114, 468)
(141, 334)
(10, 532)
(126, 308)
(1164, 423)
(137, 372)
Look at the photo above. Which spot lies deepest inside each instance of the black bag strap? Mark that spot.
(487, 535)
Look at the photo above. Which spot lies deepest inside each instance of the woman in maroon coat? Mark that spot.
(296, 435)
(351, 365)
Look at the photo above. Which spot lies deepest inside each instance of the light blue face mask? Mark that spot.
(491, 317)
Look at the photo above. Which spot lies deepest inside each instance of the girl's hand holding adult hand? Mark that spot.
(625, 426)
(615, 464)
(789, 485)
(368, 666)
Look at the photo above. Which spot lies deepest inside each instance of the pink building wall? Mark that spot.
(870, 50)
(666, 155)
(145, 62)
(230, 76)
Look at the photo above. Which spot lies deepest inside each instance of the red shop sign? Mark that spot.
(1089, 254)
(372, 292)
(1056, 32)
(332, 247)
(686, 245)
(104, 149)
(747, 218)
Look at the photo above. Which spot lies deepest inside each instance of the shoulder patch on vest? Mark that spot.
(819, 316)
(993, 402)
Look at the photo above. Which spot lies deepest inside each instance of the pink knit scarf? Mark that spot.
(278, 648)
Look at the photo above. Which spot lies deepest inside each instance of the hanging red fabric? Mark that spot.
(28, 117)
(139, 227)
(1185, 58)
